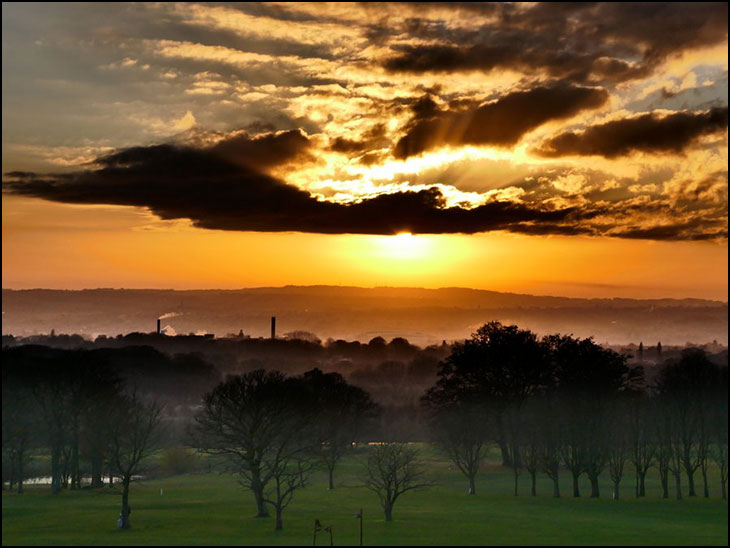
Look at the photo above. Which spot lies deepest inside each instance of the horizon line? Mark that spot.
(313, 286)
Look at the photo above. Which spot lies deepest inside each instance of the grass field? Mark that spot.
(211, 508)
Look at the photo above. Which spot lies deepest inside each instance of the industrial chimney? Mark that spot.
(158, 326)
(273, 327)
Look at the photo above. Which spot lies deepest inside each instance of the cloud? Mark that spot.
(648, 133)
(675, 231)
(185, 123)
(263, 151)
(226, 186)
(372, 138)
(570, 66)
(581, 42)
(502, 122)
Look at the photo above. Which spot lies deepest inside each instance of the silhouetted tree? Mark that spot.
(588, 378)
(641, 439)
(392, 470)
(261, 421)
(719, 428)
(532, 445)
(95, 438)
(134, 428)
(20, 428)
(686, 386)
(50, 392)
(91, 387)
(67, 386)
(340, 411)
(548, 426)
(460, 429)
(287, 470)
(662, 426)
(618, 442)
(500, 366)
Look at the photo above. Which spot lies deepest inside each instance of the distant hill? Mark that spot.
(423, 316)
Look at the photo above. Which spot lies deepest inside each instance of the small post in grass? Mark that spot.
(359, 515)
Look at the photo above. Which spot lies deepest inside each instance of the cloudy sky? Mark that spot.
(575, 149)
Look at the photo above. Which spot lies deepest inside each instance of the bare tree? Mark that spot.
(618, 445)
(685, 385)
(513, 439)
(288, 470)
(551, 438)
(532, 442)
(262, 422)
(718, 421)
(393, 469)
(589, 377)
(460, 430)
(572, 452)
(719, 455)
(663, 439)
(498, 369)
(340, 412)
(641, 440)
(134, 430)
(20, 426)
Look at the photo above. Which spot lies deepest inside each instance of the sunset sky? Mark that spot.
(565, 149)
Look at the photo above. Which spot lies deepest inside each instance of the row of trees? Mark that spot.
(79, 411)
(275, 428)
(559, 402)
(552, 405)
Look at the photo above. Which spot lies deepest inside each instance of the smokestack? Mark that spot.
(158, 326)
(273, 327)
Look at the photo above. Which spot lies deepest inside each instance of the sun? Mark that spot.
(404, 246)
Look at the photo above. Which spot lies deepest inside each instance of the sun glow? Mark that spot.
(404, 246)
(391, 169)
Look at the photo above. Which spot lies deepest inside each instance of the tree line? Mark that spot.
(80, 411)
(552, 405)
(562, 403)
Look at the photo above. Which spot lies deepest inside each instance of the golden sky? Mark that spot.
(513, 147)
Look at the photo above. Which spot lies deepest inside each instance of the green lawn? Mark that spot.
(202, 509)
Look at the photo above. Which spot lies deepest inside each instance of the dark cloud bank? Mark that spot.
(226, 187)
(575, 41)
(501, 123)
(650, 133)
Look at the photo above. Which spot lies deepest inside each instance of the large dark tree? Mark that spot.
(92, 390)
(492, 374)
(50, 389)
(68, 388)
(686, 387)
(263, 422)
(340, 414)
(588, 377)
(20, 428)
